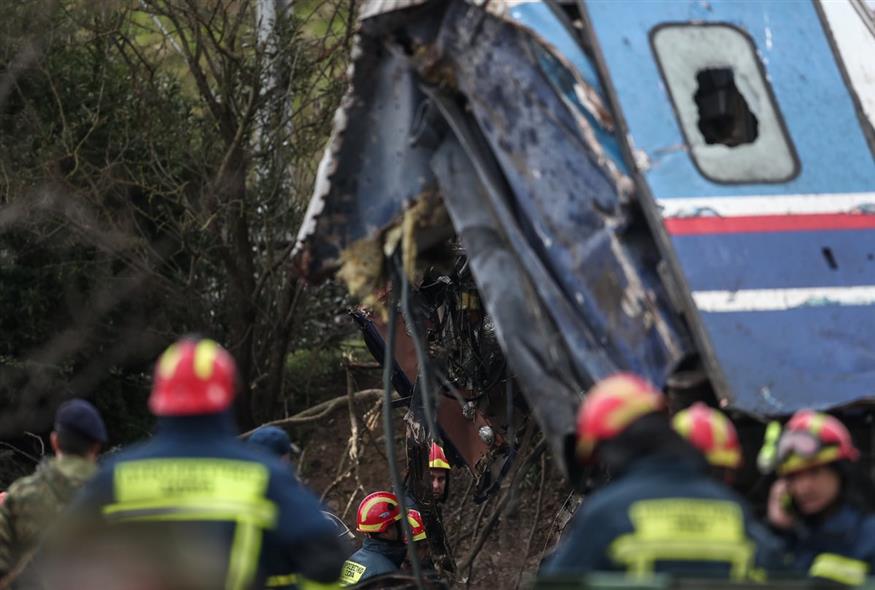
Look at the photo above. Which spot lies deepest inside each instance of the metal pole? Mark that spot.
(421, 355)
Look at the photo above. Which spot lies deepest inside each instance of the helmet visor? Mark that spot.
(801, 444)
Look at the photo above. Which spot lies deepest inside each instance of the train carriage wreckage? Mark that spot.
(557, 191)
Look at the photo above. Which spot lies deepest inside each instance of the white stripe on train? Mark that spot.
(757, 205)
(783, 299)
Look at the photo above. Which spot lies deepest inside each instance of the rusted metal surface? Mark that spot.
(462, 431)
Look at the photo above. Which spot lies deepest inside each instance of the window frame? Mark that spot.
(779, 115)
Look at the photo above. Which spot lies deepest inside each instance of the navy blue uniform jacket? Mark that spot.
(840, 547)
(197, 482)
(666, 514)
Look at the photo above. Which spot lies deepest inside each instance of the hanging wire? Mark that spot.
(511, 430)
(421, 355)
(389, 433)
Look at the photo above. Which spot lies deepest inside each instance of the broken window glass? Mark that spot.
(723, 102)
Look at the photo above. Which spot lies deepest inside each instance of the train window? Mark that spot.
(723, 102)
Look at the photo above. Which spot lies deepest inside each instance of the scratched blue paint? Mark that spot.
(810, 341)
(541, 19)
(748, 261)
(773, 362)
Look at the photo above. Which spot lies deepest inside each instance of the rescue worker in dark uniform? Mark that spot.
(431, 507)
(815, 503)
(383, 550)
(663, 512)
(430, 574)
(439, 473)
(34, 502)
(276, 442)
(196, 487)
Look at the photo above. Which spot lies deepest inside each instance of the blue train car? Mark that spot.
(665, 187)
(752, 135)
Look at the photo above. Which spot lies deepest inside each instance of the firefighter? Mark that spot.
(439, 469)
(662, 512)
(420, 540)
(713, 434)
(275, 441)
(195, 487)
(383, 550)
(33, 502)
(815, 503)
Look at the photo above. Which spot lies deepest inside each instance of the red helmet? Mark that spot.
(612, 405)
(436, 458)
(711, 432)
(813, 438)
(377, 512)
(193, 377)
(417, 525)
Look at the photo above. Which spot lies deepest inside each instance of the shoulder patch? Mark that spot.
(352, 572)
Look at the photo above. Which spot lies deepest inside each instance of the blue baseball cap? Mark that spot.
(79, 416)
(273, 439)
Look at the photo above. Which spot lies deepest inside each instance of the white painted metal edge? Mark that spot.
(782, 299)
(855, 40)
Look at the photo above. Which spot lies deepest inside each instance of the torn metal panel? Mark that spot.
(370, 169)
(450, 100)
(532, 342)
(594, 270)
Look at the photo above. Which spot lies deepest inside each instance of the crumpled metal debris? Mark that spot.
(449, 100)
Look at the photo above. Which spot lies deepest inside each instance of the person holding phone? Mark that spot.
(817, 506)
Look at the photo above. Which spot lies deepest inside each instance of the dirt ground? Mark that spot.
(513, 548)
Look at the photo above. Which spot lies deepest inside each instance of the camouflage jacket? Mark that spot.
(34, 502)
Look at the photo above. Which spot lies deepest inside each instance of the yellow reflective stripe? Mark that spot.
(685, 530)
(204, 358)
(301, 583)
(277, 581)
(351, 573)
(698, 520)
(845, 570)
(438, 464)
(262, 513)
(683, 423)
(724, 458)
(798, 462)
(366, 507)
(640, 556)
(225, 479)
(629, 411)
(245, 548)
(305, 584)
(719, 430)
(205, 515)
(243, 561)
(758, 574)
(206, 490)
(169, 360)
(816, 424)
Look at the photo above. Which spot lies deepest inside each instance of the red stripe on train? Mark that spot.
(687, 226)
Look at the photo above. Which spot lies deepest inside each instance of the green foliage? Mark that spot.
(155, 162)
